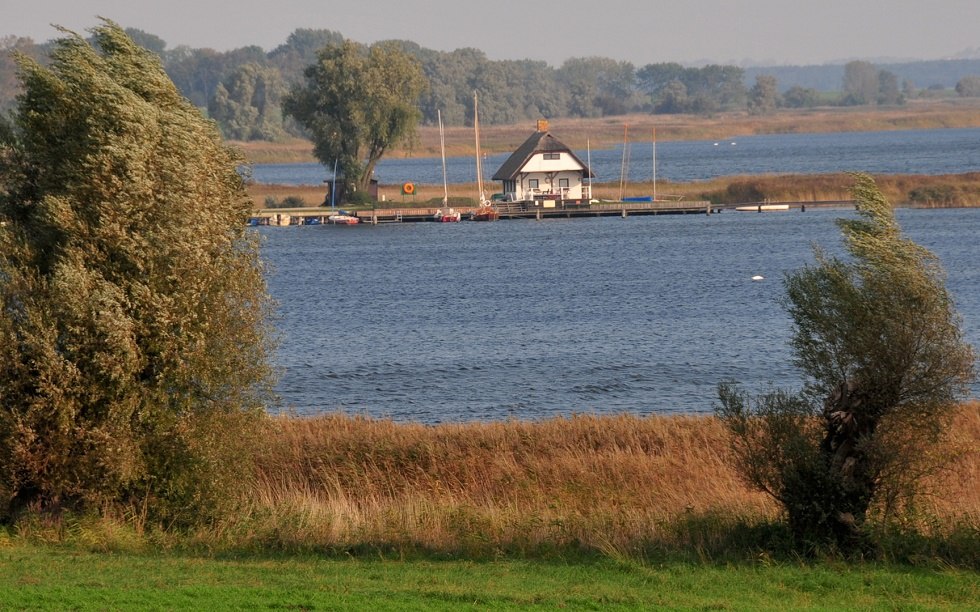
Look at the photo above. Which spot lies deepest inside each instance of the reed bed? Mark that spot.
(916, 190)
(620, 485)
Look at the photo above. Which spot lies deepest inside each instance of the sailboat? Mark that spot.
(448, 215)
(486, 211)
(624, 176)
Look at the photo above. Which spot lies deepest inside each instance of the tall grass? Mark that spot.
(613, 485)
(622, 487)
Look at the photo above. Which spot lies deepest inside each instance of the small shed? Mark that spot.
(543, 168)
(342, 190)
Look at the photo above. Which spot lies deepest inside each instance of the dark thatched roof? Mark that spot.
(539, 142)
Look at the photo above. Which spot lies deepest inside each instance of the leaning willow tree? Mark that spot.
(877, 339)
(133, 342)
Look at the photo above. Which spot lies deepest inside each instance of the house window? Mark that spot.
(532, 183)
(552, 155)
(563, 183)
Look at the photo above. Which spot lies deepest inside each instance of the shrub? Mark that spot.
(132, 302)
(878, 341)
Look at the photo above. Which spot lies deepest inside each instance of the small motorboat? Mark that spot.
(762, 208)
(343, 218)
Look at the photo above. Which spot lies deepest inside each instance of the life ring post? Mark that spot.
(408, 189)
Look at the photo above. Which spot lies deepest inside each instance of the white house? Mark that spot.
(543, 169)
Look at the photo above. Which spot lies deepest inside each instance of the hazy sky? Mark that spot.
(686, 31)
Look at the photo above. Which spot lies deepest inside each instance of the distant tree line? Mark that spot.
(243, 89)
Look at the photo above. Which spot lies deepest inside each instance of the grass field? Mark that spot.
(585, 512)
(58, 579)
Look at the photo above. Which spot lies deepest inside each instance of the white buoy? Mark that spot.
(758, 277)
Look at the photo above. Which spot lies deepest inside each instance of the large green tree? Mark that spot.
(358, 102)
(133, 343)
(247, 104)
(878, 341)
(860, 83)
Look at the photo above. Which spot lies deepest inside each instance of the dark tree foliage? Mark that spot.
(357, 102)
(133, 345)
(522, 91)
(877, 339)
(247, 105)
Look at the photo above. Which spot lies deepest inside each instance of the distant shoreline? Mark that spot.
(608, 132)
(912, 190)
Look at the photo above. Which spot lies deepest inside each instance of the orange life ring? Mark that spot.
(408, 189)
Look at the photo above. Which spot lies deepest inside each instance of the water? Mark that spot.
(947, 151)
(530, 319)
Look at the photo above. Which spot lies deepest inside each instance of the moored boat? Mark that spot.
(762, 208)
(450, 215)
(343, 218)
(485, 213)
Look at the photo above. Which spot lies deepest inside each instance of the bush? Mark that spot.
(132, 301)
(287, 202)
(936, 195)
(879, 344)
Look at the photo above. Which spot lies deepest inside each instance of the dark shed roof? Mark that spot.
(539, 142)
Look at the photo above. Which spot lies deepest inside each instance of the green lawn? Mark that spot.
(63, 578)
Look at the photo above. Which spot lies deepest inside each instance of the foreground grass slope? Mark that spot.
(53, 578)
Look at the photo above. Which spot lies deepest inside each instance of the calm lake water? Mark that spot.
(949, 151)
(530, 319)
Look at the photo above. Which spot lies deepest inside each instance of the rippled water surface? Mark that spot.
(484, 321)
(946, 151)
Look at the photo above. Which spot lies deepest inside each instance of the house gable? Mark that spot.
(535, 155)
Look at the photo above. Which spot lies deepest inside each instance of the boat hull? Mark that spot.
(763, 208)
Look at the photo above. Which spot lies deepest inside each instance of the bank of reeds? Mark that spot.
(657, 487)
(915, 190)
(620, 485)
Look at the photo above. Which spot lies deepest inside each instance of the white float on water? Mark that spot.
(758, 277)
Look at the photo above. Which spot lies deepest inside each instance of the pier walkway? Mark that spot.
(528, 210)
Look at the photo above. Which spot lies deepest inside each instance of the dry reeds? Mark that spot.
(614, 484)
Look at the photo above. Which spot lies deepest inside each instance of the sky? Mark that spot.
(692, 32)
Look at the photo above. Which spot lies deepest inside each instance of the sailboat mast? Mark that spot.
(623, 168)
(442, 146)
(654, 164)
(479, 157)
(588, 153)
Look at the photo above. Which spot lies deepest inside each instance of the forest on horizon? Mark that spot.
(242, 89)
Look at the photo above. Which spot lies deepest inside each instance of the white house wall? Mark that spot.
(538, 163)
(573, 192)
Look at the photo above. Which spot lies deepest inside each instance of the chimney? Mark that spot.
(542, 125)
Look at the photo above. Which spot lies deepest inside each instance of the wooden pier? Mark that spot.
(529, 210)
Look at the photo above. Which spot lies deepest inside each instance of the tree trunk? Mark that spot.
(849, 424)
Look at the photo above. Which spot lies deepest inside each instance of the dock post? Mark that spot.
(537, 214)
(624, 212)
(707, 209)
